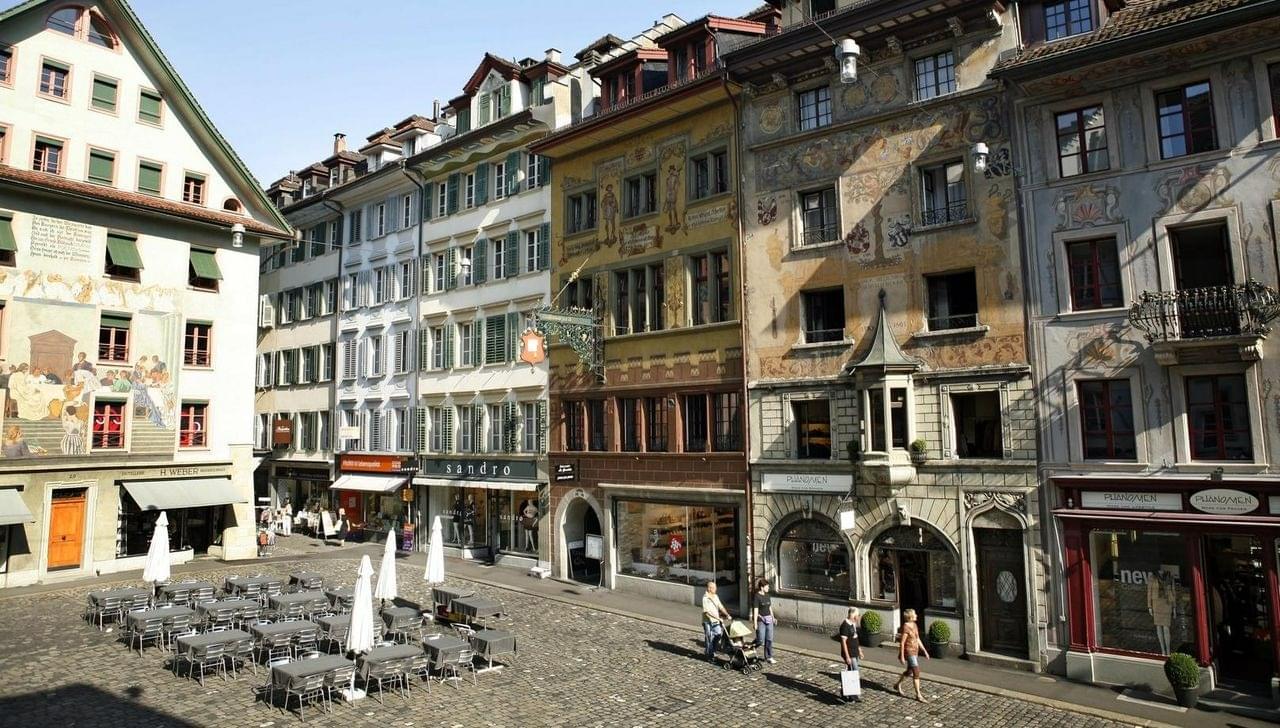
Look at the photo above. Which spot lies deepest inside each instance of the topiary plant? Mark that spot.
(871, 623)
(918, 445)
(1182, 671)
(939, 631)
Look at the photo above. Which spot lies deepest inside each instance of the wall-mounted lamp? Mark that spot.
(847, 53)
(981, 154)
(1216, 475)
(237, 235)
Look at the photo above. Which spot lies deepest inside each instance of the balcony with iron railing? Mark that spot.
(1178, 322)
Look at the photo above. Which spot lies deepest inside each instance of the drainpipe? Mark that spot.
(416, 178)
(334, 415)
(749, 516)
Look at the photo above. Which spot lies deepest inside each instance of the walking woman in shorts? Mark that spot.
(910, 647)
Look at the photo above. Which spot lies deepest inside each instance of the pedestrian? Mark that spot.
(342, 525)
(909, 650)
(850, 648)
(762, 617)
(713, 616)
(286, 518)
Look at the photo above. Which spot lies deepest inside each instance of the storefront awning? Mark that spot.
(523, 485)
(166, 495)
(12, 510)
(368, 483)
(1165, 517)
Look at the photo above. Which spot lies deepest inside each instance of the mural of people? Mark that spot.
(14, 444)
(159, 373)
(24, 389)
(609, 212)
(73, 421)
(670, 202)
(82, 363)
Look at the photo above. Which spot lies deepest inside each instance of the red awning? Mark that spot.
(1191, 519)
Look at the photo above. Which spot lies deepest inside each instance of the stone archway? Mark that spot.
(1003, 598)
(575, 514)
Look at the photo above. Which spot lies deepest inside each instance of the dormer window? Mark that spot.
(80, 23)
(1064, 18)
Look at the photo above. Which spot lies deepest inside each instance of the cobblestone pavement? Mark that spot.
(577, 667)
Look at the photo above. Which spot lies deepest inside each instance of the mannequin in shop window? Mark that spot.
(457, 518)
(469, 519)
(1161, 603)
(529, 522)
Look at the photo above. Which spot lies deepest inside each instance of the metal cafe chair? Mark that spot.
(382, 674)
(243, 652)
(337, 681)
(419, 666)
(307, 689)
(151, 630)
(215, 657)
(110, 607)
(177, 626)
(452, 669)
(306, 640)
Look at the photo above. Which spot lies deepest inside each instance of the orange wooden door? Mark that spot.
(66, 532)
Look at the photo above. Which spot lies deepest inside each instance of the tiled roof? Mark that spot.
(159, 205)
(1139, 16)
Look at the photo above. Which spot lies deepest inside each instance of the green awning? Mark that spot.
(123, 251)
(115, 321)
(205, 266)
(7, 241)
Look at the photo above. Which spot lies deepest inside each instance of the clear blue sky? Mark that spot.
(279, 77)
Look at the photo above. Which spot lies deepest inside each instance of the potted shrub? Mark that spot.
(939, 638)
(919, 450)
(869, 629)
(1184, 676)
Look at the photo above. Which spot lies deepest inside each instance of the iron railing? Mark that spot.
(1202, 313)
(943, 214)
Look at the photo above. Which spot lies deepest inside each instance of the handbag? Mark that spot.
(850, 683)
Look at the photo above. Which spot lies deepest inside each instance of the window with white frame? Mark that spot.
(529, 428)
(442, 199)
(349, 286)
(935, 75)
(532, 237)
(469, 190)
(465, 257)
(497, 427)
(468, 429)
(379, 285)
(402, 352)
(498, 251)
(467, 333)
(351, 420)
(943, 198)
(403, 435)
(532, 172)
(436, 418)
(819, 217)
(404, 280)
(406, 209)
(380, 219)
(326, 361)
(499, 180)
(377, 356)
(437, 347)
(440, 270)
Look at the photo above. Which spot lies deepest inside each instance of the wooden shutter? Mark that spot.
(477, 342)
(482, 184)
(420, 429)
(424, 202)
(513, 336)
(424, 355)
(448, 346)
(369, 211)
(511, 263)
(544, 171)
(482, 109)
(542, 425)
(451, 194)
(494, 339)
(511, 426)
(480, 261)
(446, 429)
(544, 246)
(504, 101)
(513, 173)
(450, 274)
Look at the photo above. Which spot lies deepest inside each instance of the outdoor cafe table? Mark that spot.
(237, 606)
(477, 608)
(306, 579)
(340, 595)
(197, 643)
(280, 601)
(337, 620)
(239, 583)
(271, 629)
(443, 596)
(443, 648)
(394, 617)
(491, 643)
(124, 594)
(180, 590)
(379, 655)
(137, 619)
(282, 674)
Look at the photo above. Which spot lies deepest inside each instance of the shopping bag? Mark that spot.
(850, 683)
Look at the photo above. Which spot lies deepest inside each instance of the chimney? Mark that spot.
(553, 55)
(435, 110)
(339, 142)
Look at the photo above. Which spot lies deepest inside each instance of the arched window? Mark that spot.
(914, 567)
(100, 33)
(64, 20)
(812, 557)
(232, 205)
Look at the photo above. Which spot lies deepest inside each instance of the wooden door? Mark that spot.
(66, 531)
(1002, 597)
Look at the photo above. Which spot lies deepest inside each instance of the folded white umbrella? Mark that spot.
(435, 555)
(156, 568)
(360, 631)
(387, 571)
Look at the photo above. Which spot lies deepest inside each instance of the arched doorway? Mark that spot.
(580, 522)
(914, 567)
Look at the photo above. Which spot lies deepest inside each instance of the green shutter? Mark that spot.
(450, 275)
(482, 184)
(482, 110)
(149, 107)
(451, 194)
(544, 246)
(7, 241)
(480, 261)
(205, 265)
(149, 177)
(544, 171)
(513, 173)
(428, 194)
(504, 101)
(511, 426)
(542, 426)
(115, 321)
(535, 94)
(513, 336)
(420, 429)
(102, 167)
(464, 121)
(477, 340)
(495, 337)
(446, 429)
(104, 93)
(449, 361)
(511, 263)
(123, 251)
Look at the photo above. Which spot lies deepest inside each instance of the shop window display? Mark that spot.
(517, 521)
(463, 514)
(686, 544)
(913, 567)
(812, 557)
(1142, 591)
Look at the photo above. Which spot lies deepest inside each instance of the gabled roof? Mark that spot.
(603, 44)
(414, 122)
(884, 354)
(489, 63)
(183, 102)
(1138, 18)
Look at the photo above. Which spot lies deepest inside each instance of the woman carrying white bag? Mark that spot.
(850, 678)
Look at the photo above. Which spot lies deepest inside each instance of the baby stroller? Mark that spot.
(744, 650)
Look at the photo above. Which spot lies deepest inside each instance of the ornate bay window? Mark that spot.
(885, 392)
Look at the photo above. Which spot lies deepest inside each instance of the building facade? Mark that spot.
(1150, 184)
(129, 236)
(892, 431)
(646, 428)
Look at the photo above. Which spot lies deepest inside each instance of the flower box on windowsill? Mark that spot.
(979, 330)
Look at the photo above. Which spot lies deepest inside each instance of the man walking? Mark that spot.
(713, 616)
(909, 649)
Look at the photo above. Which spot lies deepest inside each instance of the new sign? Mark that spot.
(1223, 502)
(805, 483)
(1131, 500)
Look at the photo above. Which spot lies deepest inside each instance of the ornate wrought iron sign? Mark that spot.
(580, 328)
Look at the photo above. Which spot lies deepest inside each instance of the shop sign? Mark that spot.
(190, 471)
(566, 471)
(1130, 500)
(594, 547)
(373, 464)
(317, 476)
(349, 432)
(533, 347)
(486, 469)
(406, 535)
(805, 483)
(281, 432)
(1223, 502)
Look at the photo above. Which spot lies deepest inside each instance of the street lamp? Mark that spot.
(237, 235)
(981, 155)
(847, 53)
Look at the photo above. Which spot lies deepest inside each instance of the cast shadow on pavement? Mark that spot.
(80, 704)
(691, 653)
(826, 697)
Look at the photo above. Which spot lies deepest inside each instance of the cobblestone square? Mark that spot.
(577, 667)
